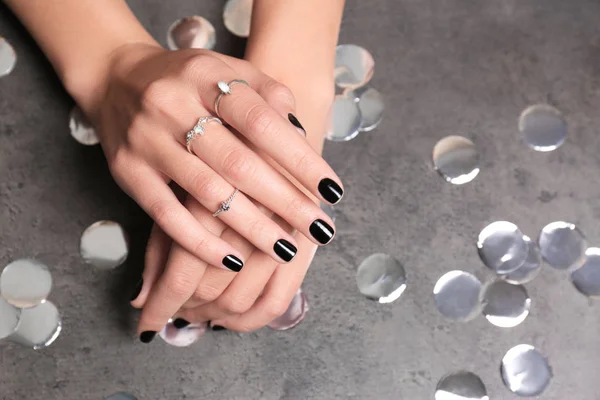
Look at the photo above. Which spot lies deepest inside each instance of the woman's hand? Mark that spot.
(153, 97)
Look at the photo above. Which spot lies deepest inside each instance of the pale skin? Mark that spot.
(143, 99)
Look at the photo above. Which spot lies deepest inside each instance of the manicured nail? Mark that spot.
(233, 263)
(137, 290)
(321, 231)
(285, 250)
(147, 336)
(296, 123)
(218, 328)
(331, 191)
(180, 323)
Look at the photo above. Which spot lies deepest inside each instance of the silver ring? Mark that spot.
(225, 89)
(226, 205)
(198, 130)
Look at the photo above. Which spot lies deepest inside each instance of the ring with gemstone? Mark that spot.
(226, 205)
(225, 89)
(198, 130)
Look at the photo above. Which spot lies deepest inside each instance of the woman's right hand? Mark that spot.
(152, 97)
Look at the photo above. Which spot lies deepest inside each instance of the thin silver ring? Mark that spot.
(226, 205)
(225, 89)
(198, 130)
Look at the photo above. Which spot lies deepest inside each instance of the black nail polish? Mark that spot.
(331, 191)
(218, 328)
(137, 290)
(321, 231)
(147, 336)
(233, 263)
(285, 250)
(180, 323)
(296, 123)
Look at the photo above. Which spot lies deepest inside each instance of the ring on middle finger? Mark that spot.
(198, 130)
(225, 89)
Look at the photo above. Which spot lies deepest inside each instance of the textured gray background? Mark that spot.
(445, 67)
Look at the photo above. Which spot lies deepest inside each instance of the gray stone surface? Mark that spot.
(445, 67)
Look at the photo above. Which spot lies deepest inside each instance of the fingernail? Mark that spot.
(296, 123)
(218, 328)
(137, 290)
(321, 231)
(331, 191)
(233, 263)
(180, 323)
(285, 250)
(147, 336)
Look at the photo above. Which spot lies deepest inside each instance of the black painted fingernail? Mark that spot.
(321, 231)
(285, 250)
(218, 328)
(137, 290)
(180, 323)
(233, 263)
(296, 123)
(147, 336)
(331, 191)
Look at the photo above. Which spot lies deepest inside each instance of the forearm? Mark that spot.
(78, 37)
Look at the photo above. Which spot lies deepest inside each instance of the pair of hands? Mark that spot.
(151, 98)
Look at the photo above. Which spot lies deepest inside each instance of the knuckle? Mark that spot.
(258, 119)
(180, 285)
(239, 165)
(304, 162)
(257, 229)
(163, 212)
(246, 328)
(296, 206)
(207, 293)
(205, 185)
(236, 304)
(276, 307)
(155, 95)
(278, 92)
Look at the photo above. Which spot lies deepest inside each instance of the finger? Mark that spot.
(157, 252)
(210, 189)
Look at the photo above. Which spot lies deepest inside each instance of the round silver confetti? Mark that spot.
(104, 245)
(121, 396)
(543, 127)
(193, 32)
(502, 247)
(381, 277)
(294, 314)
(25, 283)
(461, 385)
(354, 66)
(530, 268)
(8, 57)
(456, 295)
(329, 210)
(39, 326)
(506, 305)
(182, 337)
(525, 371)
(9, 318)
(371, 106)
(455, 158)
(81, 129)
(237, 16)
(587, 278)
(345, 119)
(562, 245)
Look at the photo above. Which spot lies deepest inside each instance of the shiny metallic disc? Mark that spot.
(461, 385)
(502, 247)
(543, 127)
(329, 210)
(587, 278)
(182, 337)
(25, 283)
(562, 245)
(193, 32)
(506, 305)
(455, 158)
(81, 129)
(104, 245)
(237, 16)
(370, 104)
(345, 119)
(530, 268)
(381, 277)
(294, 314)
(121, 396)
(354, 66)
(8, 57)
(456, 295)
(9, 318)
(39, 326)
(525, 371)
